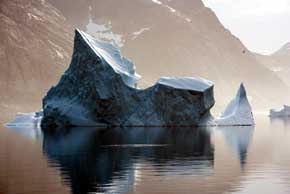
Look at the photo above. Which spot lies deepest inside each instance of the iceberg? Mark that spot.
(238, 112)
(100, 89)
(284, 112)
(27, 124)
(21, 120)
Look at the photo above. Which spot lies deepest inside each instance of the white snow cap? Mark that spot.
(112, 56)
(186, 83)
(238, 112)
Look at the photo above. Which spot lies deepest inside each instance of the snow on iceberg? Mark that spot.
(285, 112)
(238, 112)
(112, 56)
(188, 83)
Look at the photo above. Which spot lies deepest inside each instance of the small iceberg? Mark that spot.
(27, 124)
(284, 112)
(32, 119)
(238, 112)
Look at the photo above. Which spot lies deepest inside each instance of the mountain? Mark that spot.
(35, 46)
(177, 37)
(278, 62)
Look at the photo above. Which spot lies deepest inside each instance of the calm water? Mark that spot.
(231, 160)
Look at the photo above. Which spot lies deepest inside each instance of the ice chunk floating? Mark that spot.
(285, 112)
(27, 124)
(238, 112)
(99, 88)
(32, 119)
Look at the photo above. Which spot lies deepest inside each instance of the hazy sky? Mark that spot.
(262, 25)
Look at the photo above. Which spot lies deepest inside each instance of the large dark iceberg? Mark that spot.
(100, 89)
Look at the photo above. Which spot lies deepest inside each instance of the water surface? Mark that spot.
(236, 160)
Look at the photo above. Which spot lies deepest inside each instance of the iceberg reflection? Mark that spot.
(280, 122)
(239, 139)
(109, 160)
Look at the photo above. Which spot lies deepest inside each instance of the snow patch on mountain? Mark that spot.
(139, 32)
(157, 2)
(174, 11)
(170, 9)
(104, 32)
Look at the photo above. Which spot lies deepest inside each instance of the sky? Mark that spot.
(262, 25)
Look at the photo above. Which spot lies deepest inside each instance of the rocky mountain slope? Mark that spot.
(278, 62)
(177, 37)
(35, 45)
